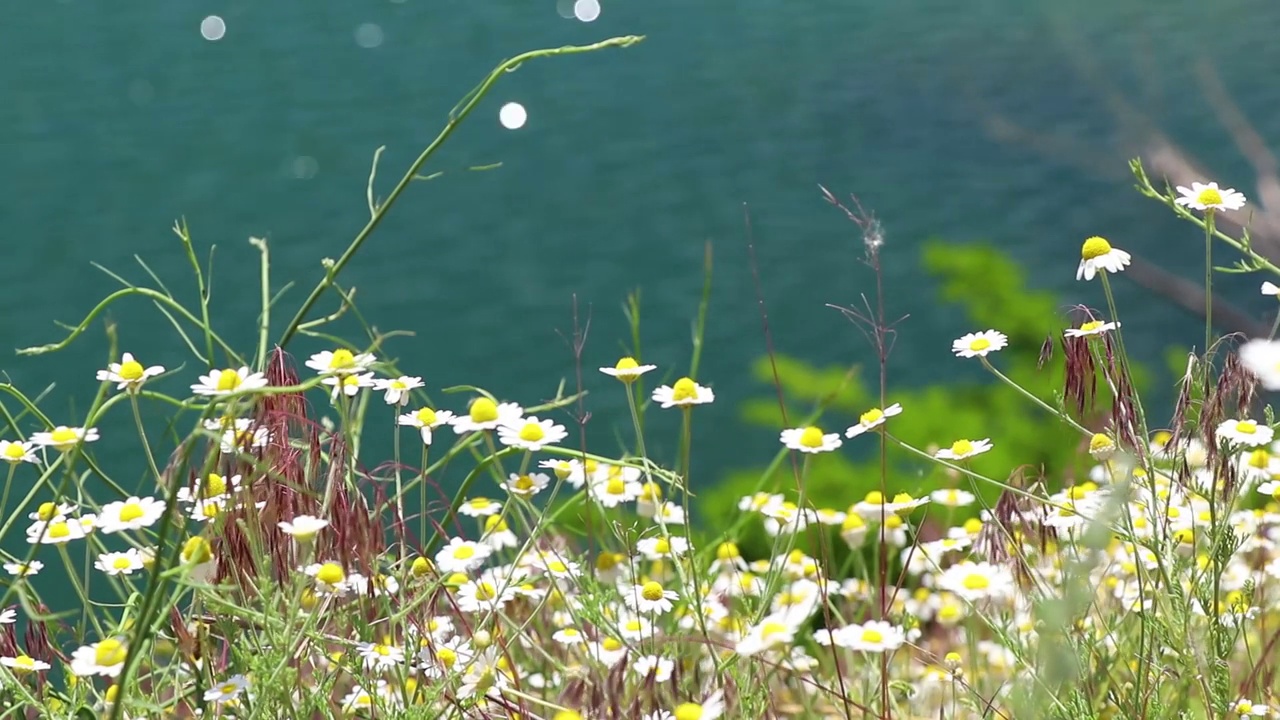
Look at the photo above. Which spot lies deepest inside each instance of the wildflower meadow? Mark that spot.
(274, 563)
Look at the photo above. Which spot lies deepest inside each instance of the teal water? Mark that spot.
(117, 119)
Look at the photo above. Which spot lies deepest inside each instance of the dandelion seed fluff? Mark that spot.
(512, 116)
(586, 10)
(213, 28)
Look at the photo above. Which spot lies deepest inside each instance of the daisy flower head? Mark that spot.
(979, 344)
(488, 594)
(1097, 255)
(54, 532)
(531, 433)
(397, 389)
(303, 528)
(873, 636)
(876, 504)
(810, 440)
(21, 663)
(104, 658)
(485, 414)
(219, 383)
(977, 580)
(426, 420)
(709, 709)
(1262, 358)
(683, 393)
(962, 449)
(1209, 197)
(658, 548)
(1244, 432)
(133, 513)
(872, 419)
(227, 690)
(1092, 327)
(340, 362)
(63, 438)
(774, 630)
(627, 370)
(617, 488)
(461, 556)
(21, 569)
(659, 667)
(120, 563)
(17, 451)
(348, 384)
(128, 373)
(211, 487)
(952, 497)
(239, 434)
(378, 656)
(650, 597)
(527, 484)
(480, 507)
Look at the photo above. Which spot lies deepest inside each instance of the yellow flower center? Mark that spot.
(1095, 247)
(122, 563)
(131, 511)
(651, 591)
(47, 511)
(688, 711)
(495, 523)
(771, 628)
(853, 521)
(556, 566)
(1209, 197)
(727, 551)
(615, 487)
(871, 416)
(62, 435)
(875, 498)
(464, 552)
(1248, 427)
(611, 644)
(1259, 459)
(131, 370)
(228, 688)
(1100, 442)
(228, 380)
(685, 389)
(23, 662)
(59, 530)
(446, 656)
(483, 410)
(662, 546)
(608, 560)
(532, 432)
(213, 485)
(650, 491)
(811, 437)
(426, 416)
(976, 581)
(979, 344)
(626, 363)
(961, 447)
(524, 482)
(330, 574)
(479, 503)
(196, 550)
(872, 636)
(486, 591)
(109, 652)
(382, 650)
(14, 451)
(633, 625)
(342, 359)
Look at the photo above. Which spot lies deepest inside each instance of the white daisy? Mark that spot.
(426, 420)
(685, 392)
(484, 595)
(876, 505)
(568, 636)
(1210, 197)
(615, 490)
(133, 513)
(24, 664)
(340, 362)
(208, 510)
(104, 658)
(871, 636)
(531, 434)
(485, 414)
(1097, 255)
(378, 656)
(977, 580)
(55, 532)
(303, 527)
(21, 569)
(1244, 432)
(659, 667)
(526, 485)
(979, 344)
(810, 440)
(480, 507)
(228, 689)
(461, 556)
(962, 449)
(709, 709)
(1270, 288)
(128, 373)
(627, 369)
(497, 534)
(225, 382)
(774, 630)
(120, 563)
(650, 597)
(239, 434)
(211, 487)
(952, 497)
(1262, 358)
(349, 385)
(872, 419)
(17, 451)
(657, 548)
(397, 389)
(1092, 327)
(63, 438)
